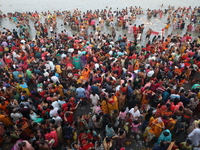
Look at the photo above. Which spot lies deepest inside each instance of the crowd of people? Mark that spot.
(93, 90)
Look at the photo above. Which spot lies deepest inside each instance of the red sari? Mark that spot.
(52, 135)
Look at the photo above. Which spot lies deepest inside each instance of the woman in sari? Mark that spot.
(16, 145)
(161, 108)
(76, 62)
(6, 120)
(35, 117)
(60, 89)
(52, 137)
(171, 123)
(136, 66)
(121, 94)
(104, 106)
(121, 99)
(23, 129)
(24, 87)
(64, 71)
(59, 132)
(84, 136)
(112, 103)
(155, 129)
(85, 74)
(165, 136)
(146, 96)
(81, 124)
(88, 90)
(174, 145)
(107, 143)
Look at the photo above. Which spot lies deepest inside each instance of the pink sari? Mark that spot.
(88, 89)
(16, 145)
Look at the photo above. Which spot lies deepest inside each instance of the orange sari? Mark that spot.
(112, 104)
(85, 74)
(6, 120)
(156, 128)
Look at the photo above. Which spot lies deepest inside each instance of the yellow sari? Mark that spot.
(113, 104)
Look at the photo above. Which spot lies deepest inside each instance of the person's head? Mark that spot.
(177, 142)
(121, 131)
(174, 117)
(136, 108)
(99, 143)
(165, 133)
(48, 130)
(115, 111)
(51, 107)
(188, 142)
(75, 145)
(136, 122)
(181, 108)
(109, 125)
(2, 103)
(42, 141)
(108, 139)
(22, 144)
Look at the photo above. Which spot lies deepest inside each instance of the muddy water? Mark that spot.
(44, 5)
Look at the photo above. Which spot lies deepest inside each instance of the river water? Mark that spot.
(44, 5)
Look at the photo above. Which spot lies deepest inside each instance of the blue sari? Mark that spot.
(164, 138)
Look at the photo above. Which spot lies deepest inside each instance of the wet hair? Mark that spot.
(109, 125)
(123, 109)
(121, 132)
(108, 139)
(136, 122)
(97, 117)
(188, 141)
(174, 117)
(99, 143)
(48, 129)
(181, 108)
(165, 133)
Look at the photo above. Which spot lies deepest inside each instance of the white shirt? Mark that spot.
(53, 112)
(47, 66)
(52, 66)
(111, 53)
(95, 99)
(57, 119)
(63, 55)
(150, 73)
(55, 104)
(46, 74)
(96, 65)
(55, 79)
(51, 29)
(61, 102)
(134, 114)
(16, 116)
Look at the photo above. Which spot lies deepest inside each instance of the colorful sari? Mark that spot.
(104, 106)
(76, 62)
(50, 136)
(6, 120)
(112, 104)
(121, 99)
(16, 145)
